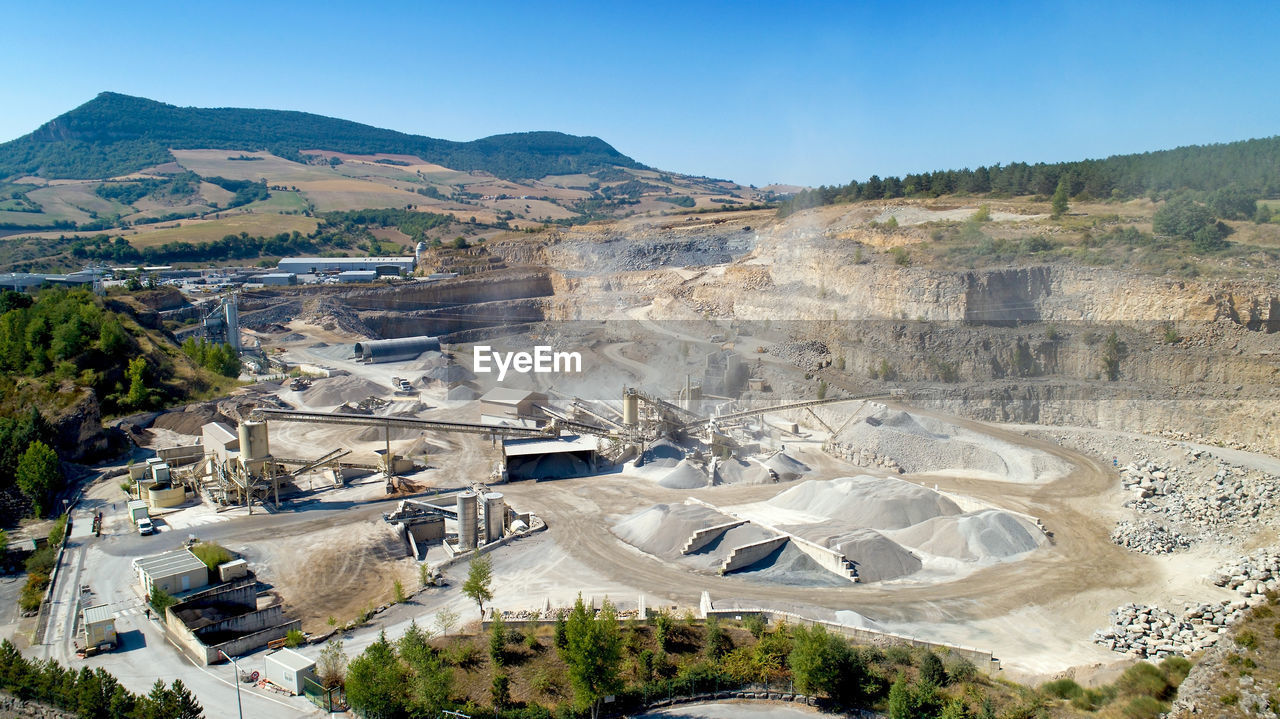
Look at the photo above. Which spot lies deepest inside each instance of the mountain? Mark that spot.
(116, 134)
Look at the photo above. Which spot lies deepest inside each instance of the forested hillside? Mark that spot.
(117, 134)
(1253, 166)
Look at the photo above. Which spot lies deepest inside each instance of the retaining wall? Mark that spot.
(705, 536)
(749, 554)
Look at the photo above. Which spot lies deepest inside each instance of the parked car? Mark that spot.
(145, 526)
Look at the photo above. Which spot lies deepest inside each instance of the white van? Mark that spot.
(145, 526)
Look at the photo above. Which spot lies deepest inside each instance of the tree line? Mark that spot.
(1253, 166)
(91, 693)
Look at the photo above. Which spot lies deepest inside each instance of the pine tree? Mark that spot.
(1060, 200)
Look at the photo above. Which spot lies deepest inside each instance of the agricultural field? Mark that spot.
(197, 231)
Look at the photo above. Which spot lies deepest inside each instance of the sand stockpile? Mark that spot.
(334, 391)
(786, 467)
(190, 420)
(712, 555)
(924, 444)
(663, 529)
(876, 557)
(986, 536)
(686, 475)
(863, 501)
(788, 565)
(739, 471)
(663, 453)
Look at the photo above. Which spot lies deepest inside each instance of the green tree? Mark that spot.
(161, 600)
(4, 542)
(138, 394)
(593, 654)
(717, 639)
(1059, 200)
(376, 682)
(1111, 357)
(39, 476)
(932, 671)
(479, 584)
(431, 679)
(497, 640)
(500, 691)
(331, 666)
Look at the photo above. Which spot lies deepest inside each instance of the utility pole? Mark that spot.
(232, 659)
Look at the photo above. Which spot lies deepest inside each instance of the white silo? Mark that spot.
(495, 514)
(467, 538)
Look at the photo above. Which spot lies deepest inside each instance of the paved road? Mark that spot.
(104, 564)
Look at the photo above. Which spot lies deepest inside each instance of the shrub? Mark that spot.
(901, 256)
(898, 654)
(931, 669)
(1143, 708)
(211, 554)
(1175, 669)
(1062, 689)
(755, 624)
(294, 638)
(1247, 640)
(1145, 680)
(397, 591)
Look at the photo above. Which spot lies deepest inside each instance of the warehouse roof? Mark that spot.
(292, 660)
(555, 445)
(100, 613)
(509, 395)
(179, 561)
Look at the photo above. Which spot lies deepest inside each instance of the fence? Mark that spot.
(330, 700)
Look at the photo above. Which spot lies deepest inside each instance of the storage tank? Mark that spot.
(467, 520)
(495, 514)
(630, 410)
(253, 441)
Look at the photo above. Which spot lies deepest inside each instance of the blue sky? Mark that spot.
(802, 93)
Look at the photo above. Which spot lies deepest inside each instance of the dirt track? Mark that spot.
(1080, 558)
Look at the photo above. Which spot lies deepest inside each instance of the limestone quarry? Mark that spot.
(1047, 462)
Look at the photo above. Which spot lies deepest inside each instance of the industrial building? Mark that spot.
(289, 669)
(99, 626)
(357, 276)
(512, 407)
(174, 572)
(395, 350)
(551, 458)
(27, 281)
(279, 278)
(322, 265)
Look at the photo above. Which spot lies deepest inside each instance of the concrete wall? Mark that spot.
(176, 456)
(261, 625)
(982, 659)
(171, 497)
(707, 535)
(828, 558)
(749, 554)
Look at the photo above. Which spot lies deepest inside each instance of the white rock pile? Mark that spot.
(1252, 576)
(1148, 537)
(861, 457)
(1202, 500)
(1151, 632)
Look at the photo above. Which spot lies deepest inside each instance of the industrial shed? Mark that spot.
(397, 350)
(318, 265)
(513, 407)
(552, 458)
(289, 669)
(175, 572)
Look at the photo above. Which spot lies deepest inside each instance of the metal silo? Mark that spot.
(495, 512)
(467, 520)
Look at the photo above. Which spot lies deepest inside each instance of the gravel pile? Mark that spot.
(860, 456)
(1148, 537)
(1252, 576)
(1201, 498)
(805, 354)
(1151, 632)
